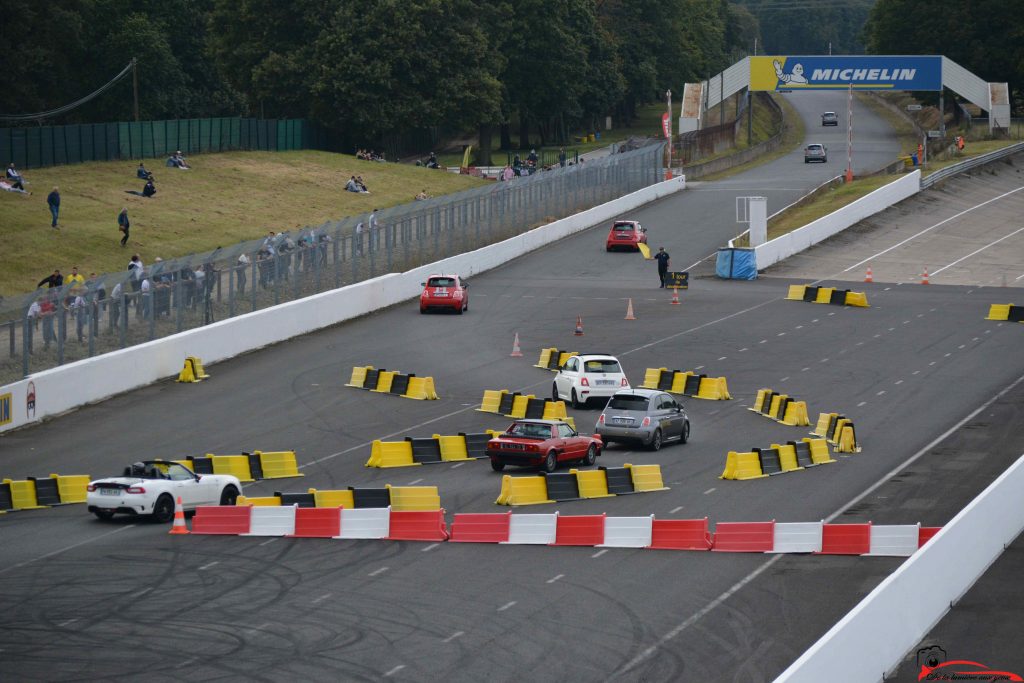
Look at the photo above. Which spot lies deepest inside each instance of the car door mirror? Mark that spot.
(423, 284)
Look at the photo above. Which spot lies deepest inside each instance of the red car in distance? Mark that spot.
(542, 443)
(626, 234)
(444, 292)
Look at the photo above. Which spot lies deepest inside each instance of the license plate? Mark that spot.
(110, 492)
(624, 235)
(514, 447)
(605, 382)
(622, 420)
(441, 294)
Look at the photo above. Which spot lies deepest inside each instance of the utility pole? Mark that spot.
(668, 133)
(849, 136)
(135, 86)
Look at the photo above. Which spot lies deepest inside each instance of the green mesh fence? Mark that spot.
(36, 147)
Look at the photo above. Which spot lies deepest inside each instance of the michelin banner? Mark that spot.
(825, 72)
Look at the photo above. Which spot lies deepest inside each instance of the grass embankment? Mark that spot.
(225, 199)
(828, 201)
(792, 136)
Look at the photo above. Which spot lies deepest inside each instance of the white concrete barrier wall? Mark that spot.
(113, 373)
(876, 634)
(781, 248)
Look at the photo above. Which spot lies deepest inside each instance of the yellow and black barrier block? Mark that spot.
(414, 451)
(827, 295)
(576, 484)
(781, 408)
(278, 464)
(414, 498)
(23, 494)
(492, 401)
(42, 492)
(421, 389)
(553, 359)
(686, 383)
(261, 501)
(358, 378)
(1006, 313)
(6, 501)
(778, 459)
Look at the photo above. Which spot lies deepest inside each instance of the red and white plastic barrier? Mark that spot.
(599, 531)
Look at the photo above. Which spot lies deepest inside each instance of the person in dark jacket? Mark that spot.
(123, 224)
(53, 201)
(150, 189)
(52, 281)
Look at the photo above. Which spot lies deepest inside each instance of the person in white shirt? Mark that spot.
(146, 298)
(115, 304)
(242, 272)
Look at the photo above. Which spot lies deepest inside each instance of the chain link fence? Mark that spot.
(51, 327)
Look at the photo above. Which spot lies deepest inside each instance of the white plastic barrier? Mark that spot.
(628, 532)
(532, 529)
(365, 523)
(113, 373)
(895, 540)
(781, 248)
(797, 537)
(271, 520)
(893, 618)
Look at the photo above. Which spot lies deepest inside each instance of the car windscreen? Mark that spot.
(628, 403)
(602, 365)
(441, 282)
(624, 226)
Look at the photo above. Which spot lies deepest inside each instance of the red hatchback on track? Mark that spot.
(444, 292)
(626, 235)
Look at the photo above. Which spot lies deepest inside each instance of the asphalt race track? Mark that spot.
(85, 600)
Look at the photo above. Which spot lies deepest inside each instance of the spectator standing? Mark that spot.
(79, 309)
(53, 201)
(242, 273)
(374, 230)
(47, 310)
(124, 225)
(135, 270)
(561, 157)
(99, 301)
(147, 307)
(663, 262)
(508, 173)
(116, 304)
(74, 279)
(531, 158)
(52, 281)
(359, 237)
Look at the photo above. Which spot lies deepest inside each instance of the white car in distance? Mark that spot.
(151, 488)
(588, 376)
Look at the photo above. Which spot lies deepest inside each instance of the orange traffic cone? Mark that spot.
(869, 277)
(924, 277)
(675, 296)
(579, 326)
(629, 311)
(516, 352)
(179, 519)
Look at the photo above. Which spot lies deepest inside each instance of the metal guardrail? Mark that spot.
(972, 163)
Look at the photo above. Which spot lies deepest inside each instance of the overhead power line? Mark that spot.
(69, 107)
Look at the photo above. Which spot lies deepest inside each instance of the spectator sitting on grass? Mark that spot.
(150, 189)
(422, 195)
(10, 187)
(362, 185)
(14, 178)
(141, 173)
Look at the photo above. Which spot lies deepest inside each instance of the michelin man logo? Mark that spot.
(797, 76)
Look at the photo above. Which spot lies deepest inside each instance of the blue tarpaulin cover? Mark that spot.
(736, 264)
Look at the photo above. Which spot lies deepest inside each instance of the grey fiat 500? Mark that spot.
(645, 416)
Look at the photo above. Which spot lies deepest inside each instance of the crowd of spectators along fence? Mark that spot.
(50, 327)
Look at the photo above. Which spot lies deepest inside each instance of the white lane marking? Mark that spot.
(599, 553)
(804, 369)
(899, 381)
(763, 341)
(784, 379)
(891, 329)
(988, 331)
(699, 367)
(314, 385)
(723, 357)
(744, 349)
(735, 588)
(832, 313)
(920, 315)
(815, 320)
(877, 336)
(211, 564)
(375, 572)
(880, 392)
(457, 634)
(140, 593)
(933, 362)
(975, 338)
(186, 662)
(66, 623)
(675, 509)
(823, 360)
(555, 578)
(990, 244)
(506, 606)
(781, 334)
(887, 289)
(860, 343)
(915, 372)
(414, 482)
(458, 464)
(862, 403)
(394, 671)
(929, 229)
(906, 322)
(962, 346)
(321, 598)
(269, 541)
(65, 549)
(799, 327)
(947, 355)
(709, 490)
(430, 547)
